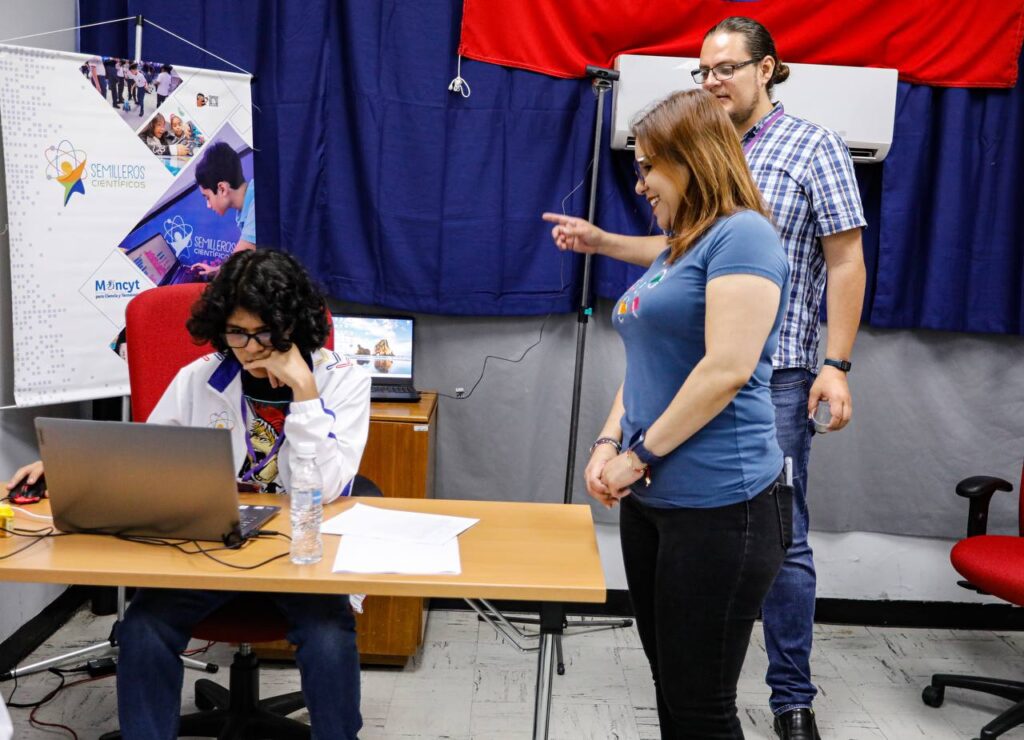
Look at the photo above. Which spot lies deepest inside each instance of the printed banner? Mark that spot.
(121, 176)
(936, 43)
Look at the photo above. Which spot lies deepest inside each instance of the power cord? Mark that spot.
(459, 395)
(463, 397)
(199, 650)
(35, 706)
(37, 535)
(179, 545)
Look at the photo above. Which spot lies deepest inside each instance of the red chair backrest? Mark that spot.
(159, 345)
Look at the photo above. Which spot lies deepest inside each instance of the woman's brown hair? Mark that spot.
(690, 129)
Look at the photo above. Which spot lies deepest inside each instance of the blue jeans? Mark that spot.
(788, 610)
(158, 625)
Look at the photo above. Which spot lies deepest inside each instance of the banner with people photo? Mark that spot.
(121, 176)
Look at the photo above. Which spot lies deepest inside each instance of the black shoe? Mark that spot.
(796, 724)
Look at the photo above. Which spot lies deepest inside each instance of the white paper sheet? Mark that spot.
(397, 526)
(368, 555)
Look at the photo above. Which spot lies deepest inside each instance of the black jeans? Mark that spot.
(697, 578)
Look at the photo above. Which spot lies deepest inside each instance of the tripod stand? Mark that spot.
(553, 621)
(103, 649)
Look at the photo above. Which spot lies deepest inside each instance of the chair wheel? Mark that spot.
(933, 695)
(203, 704)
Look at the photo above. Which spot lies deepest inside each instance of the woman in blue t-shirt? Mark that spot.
(689, 447)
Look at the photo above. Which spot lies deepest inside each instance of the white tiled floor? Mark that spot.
(467, 683)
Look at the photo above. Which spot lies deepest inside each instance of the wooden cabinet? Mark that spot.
(399, 458)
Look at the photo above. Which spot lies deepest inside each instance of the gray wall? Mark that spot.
(930, 408)
(19, 602)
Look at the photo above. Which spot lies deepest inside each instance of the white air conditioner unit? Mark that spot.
(858, 103)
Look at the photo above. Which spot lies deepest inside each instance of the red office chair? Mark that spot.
(992, 564)
(158, 346)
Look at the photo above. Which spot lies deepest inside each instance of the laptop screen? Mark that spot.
(154, 257)
(382, 344)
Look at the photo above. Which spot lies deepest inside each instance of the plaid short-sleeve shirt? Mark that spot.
(806, 176)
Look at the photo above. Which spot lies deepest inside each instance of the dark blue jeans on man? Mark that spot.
(788, 610)
(158, 626)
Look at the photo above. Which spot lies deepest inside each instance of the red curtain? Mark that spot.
(931, 42)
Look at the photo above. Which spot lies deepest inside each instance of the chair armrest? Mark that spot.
(979, 489)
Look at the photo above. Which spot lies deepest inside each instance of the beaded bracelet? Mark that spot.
(605, 441)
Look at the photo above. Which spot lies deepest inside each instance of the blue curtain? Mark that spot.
(397, 192)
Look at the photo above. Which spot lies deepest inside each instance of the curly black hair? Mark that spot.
(272, 285)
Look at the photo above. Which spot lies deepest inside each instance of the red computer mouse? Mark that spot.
(29, 493)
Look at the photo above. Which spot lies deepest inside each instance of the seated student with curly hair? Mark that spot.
(270, 376)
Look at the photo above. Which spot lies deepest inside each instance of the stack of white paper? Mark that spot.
(385, 541)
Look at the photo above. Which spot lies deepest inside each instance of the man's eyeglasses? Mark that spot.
(721, 72)
(642, 167)
(238, 339)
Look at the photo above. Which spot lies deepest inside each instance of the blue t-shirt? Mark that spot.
(660, 318)
(246, 218)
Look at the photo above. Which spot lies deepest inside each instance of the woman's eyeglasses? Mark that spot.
(238, 339)
(721, 72)
(642, 167)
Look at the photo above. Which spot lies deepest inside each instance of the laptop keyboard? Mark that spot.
(393, 391)
(251, 516)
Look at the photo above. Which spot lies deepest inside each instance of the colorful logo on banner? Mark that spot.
(66, 165)
(178, 234)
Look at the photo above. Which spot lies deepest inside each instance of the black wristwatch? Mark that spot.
(644, 455)
(843, 365)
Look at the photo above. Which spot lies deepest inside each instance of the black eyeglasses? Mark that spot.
(642, 166)
(722, 72)
(238, 339)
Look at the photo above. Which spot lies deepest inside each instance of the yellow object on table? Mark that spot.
(6, 520)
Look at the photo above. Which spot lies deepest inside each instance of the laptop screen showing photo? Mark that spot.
(381, 344)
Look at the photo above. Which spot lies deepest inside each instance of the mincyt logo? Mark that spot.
(66, 165)
(117, 288)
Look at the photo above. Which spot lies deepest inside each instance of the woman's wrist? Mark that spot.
(606, 440)
(640, 446)
(638, 466)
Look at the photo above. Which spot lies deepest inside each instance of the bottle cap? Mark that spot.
(305, 449)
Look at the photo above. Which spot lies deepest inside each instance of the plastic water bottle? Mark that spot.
(307, 506)
(822, 416)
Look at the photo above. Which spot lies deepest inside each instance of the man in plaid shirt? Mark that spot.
(806, 176)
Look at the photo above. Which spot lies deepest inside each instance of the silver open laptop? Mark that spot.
(145, 480)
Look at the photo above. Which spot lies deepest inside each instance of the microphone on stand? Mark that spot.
(601, 73)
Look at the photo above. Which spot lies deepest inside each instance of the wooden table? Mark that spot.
(518, 551)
